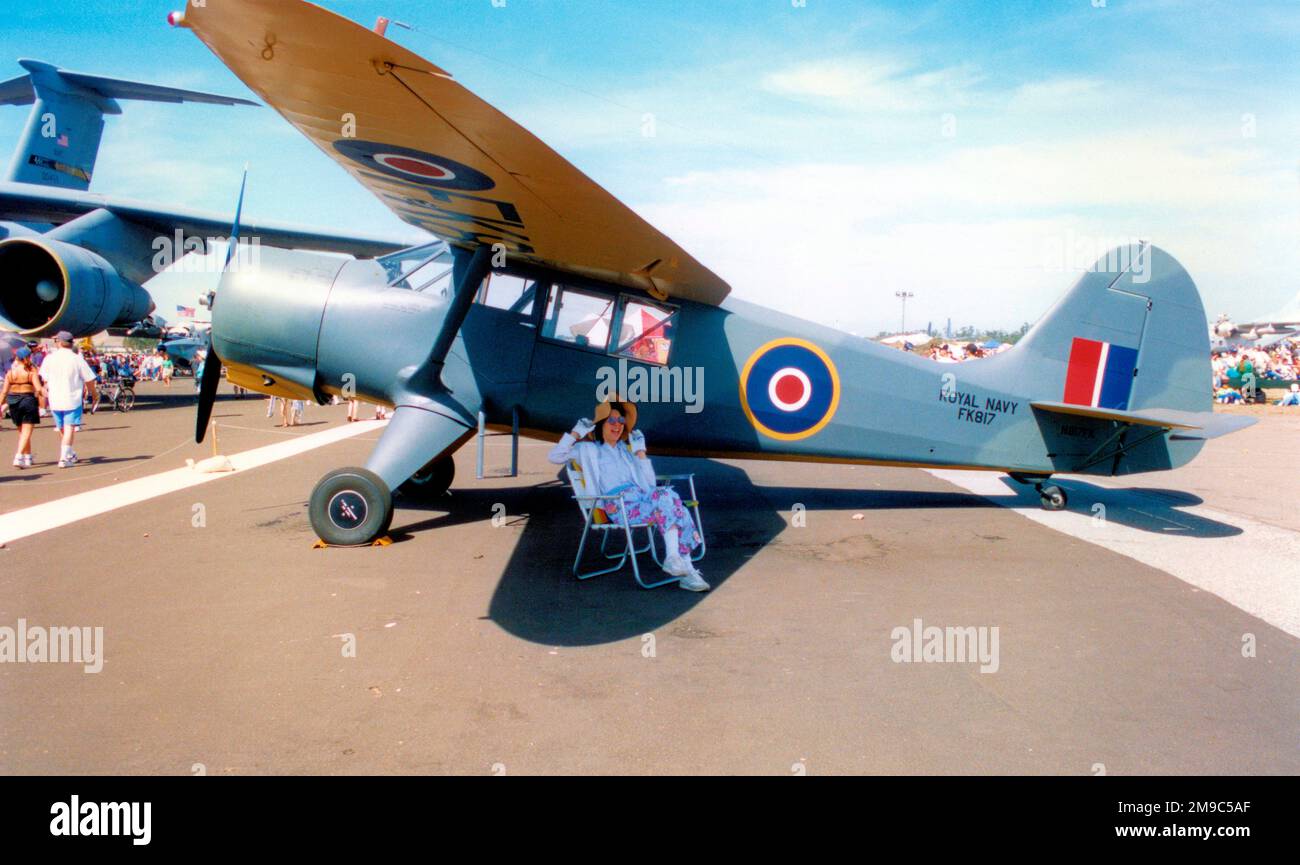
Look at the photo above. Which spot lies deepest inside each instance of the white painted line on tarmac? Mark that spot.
(1251, 565)
(62, 512)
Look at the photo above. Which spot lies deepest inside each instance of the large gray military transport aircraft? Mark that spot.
(75, 260)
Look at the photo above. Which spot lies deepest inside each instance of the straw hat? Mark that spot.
(629, 414)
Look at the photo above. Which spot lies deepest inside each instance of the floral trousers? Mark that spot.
(662, 509)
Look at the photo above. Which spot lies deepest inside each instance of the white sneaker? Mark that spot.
(27, 461)
(20, 463)
(694, 582)
(676, 566)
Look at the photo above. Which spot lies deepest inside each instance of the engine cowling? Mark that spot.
(47, 286)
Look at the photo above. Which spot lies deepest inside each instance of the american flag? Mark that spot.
(185, 311)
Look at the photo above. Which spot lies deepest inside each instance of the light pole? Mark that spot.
(904, 295)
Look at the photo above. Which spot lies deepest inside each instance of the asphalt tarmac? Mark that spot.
(230, 646)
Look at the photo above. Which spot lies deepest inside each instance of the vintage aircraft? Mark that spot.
(74, 260)
(543, 286)
(182, 350)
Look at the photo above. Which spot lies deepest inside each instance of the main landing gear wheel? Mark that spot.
(1054, 498)
(351, 508)
(432, 481)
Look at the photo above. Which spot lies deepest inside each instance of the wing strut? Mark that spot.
(1122, 446)
(470, 273)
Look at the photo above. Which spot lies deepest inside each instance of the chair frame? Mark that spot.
(590, 505)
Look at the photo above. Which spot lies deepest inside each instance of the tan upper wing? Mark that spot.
(437, 155)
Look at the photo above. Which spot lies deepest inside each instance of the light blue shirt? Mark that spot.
(618, 468)
(613, 467)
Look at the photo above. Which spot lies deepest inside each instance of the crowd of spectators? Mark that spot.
(952, 352)
(1239, 373)
(29, 373)
(136, 365)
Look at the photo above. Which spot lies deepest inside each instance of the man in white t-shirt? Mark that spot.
(66, 374)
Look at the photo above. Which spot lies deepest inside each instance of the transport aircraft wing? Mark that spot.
(62, 208)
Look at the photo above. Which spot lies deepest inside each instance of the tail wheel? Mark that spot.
(432, 481)
(350, 508)
(1053, 498)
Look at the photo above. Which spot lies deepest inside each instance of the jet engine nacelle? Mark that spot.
(47, 286)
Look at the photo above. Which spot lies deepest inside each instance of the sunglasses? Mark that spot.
(616, 421)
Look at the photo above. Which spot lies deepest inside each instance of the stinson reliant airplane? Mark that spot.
(541, 280)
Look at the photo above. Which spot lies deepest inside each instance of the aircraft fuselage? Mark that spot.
(313, 326)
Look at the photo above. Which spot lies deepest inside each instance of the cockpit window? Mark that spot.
(511, 293)
(646, 331)
(579, 317)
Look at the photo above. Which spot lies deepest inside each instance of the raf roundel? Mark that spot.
(789, 389)
(414, 166)
(421, 169)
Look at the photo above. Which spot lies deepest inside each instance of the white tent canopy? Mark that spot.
(913, 338)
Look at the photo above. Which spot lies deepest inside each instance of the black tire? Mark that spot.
(351, 508)
(432, 481)
(125, 400)
(1054, 498)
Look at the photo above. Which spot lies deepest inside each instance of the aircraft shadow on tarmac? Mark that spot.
(537, 598)
(1150, 510)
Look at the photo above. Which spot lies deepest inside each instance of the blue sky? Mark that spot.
(818, 157)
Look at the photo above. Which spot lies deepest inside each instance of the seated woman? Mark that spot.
(616, 462)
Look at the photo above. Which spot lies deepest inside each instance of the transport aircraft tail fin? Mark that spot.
(61, 141)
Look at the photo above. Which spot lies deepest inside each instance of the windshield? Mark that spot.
(421, 268)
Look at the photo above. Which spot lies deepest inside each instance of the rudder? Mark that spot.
(1130, 335)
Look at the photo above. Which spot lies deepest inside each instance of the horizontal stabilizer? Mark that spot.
(17, 91)
(113, 88)
(1189, 424)
(20, 91)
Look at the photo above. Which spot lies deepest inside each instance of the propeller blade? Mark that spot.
(207, 393)
(212, 363)
(233, 247)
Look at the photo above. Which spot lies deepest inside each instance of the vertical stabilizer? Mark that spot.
(61, 141)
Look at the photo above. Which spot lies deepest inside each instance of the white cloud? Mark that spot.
(1057, 94)
(874, 84)
(1111, 171)
(988, 235)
